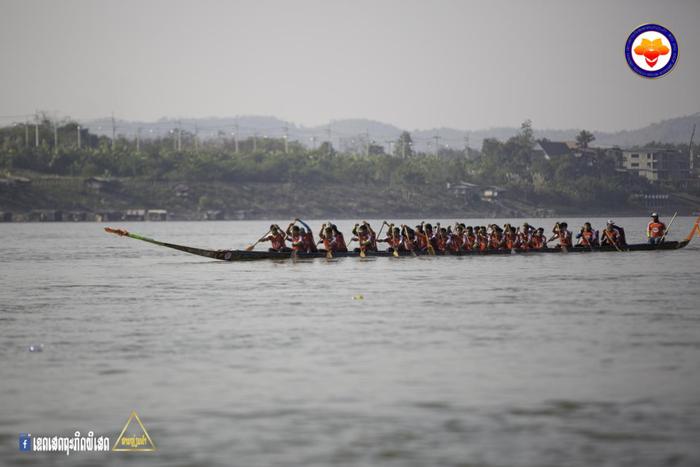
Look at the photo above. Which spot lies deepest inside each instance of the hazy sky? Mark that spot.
(415, 64)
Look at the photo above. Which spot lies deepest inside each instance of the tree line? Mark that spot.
(513, 164)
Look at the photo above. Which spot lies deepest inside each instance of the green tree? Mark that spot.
(404, 146)
(584, 138)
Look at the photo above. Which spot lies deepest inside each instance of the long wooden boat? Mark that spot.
(242, 255)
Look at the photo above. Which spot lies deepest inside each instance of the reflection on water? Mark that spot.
(515, 360)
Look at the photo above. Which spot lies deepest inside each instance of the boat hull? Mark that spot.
(241, 255)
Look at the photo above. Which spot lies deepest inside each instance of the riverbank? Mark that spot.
(37, 197)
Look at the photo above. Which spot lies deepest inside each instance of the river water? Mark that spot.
(544, 360)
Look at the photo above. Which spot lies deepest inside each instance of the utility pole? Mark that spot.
(36, 132)
(286, 139)
(255, 141)
(78, 136)
(138, 139)
(368, 143)
(330, 139)
(437, 144)
(55, 137)
(179, 135)
(114, 131)
(235, 138)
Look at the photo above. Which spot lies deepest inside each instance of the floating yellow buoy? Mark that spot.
(358, 297)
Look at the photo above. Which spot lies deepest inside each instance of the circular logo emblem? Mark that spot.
(651, 50)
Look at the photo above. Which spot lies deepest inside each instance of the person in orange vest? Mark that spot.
(365, 237)
(587, 236)
(277, 238)
(538, 239)
(562, 233)
(295, 236)
(611, 236)
(307, 236)
(655, 229)
(470, 239)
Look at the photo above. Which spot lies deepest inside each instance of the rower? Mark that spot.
(421, 239)
(561, 233)
(469, 238)
(455, 240)
(408, 242)
(430, 235)
(538, 240)
(496, 238)
(276, 238)
(365, 237)
(441, 235)
(307, 236)
(509, 237)
(482, 238)
(294, 235)
(524, 236)
(393, 239)
(655, 229)
(587, 236)
(620, 232)
(338, 239)
(611, 236)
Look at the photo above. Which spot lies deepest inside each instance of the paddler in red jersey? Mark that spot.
(587, 236)
(561, 233)
(276, 238)
(482, 238)
(421, 241)
(509, 237)
(455, 239)
(332, 239)
(408, 238)
(523, 236)
(365, 237)
(496, 237)
(538, 239)
(307, 237)
(441, 235)
(655, 229)
(469, 239)
(611, 237)
(392, 239)
(295, 237)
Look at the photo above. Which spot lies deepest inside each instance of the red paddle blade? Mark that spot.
(120, 232)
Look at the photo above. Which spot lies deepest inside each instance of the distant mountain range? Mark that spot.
(349, 134)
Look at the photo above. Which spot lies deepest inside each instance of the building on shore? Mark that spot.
(657, 165)
(157, 215)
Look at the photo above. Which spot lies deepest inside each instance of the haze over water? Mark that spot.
(522, 360)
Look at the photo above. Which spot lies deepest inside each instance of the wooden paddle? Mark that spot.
(668, 228)
(250, 247)
(607, 234)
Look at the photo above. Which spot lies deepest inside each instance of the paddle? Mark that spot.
(359, 241)
(250, 247)
(394, 246)
(607, 234)
(668, 228)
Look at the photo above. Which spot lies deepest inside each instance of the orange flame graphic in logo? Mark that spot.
(651, 50)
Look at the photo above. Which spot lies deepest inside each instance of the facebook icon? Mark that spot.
(25, 442)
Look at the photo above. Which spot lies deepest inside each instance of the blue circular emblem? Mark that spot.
(651, 50)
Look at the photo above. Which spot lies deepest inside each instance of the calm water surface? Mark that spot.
(545, 360)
